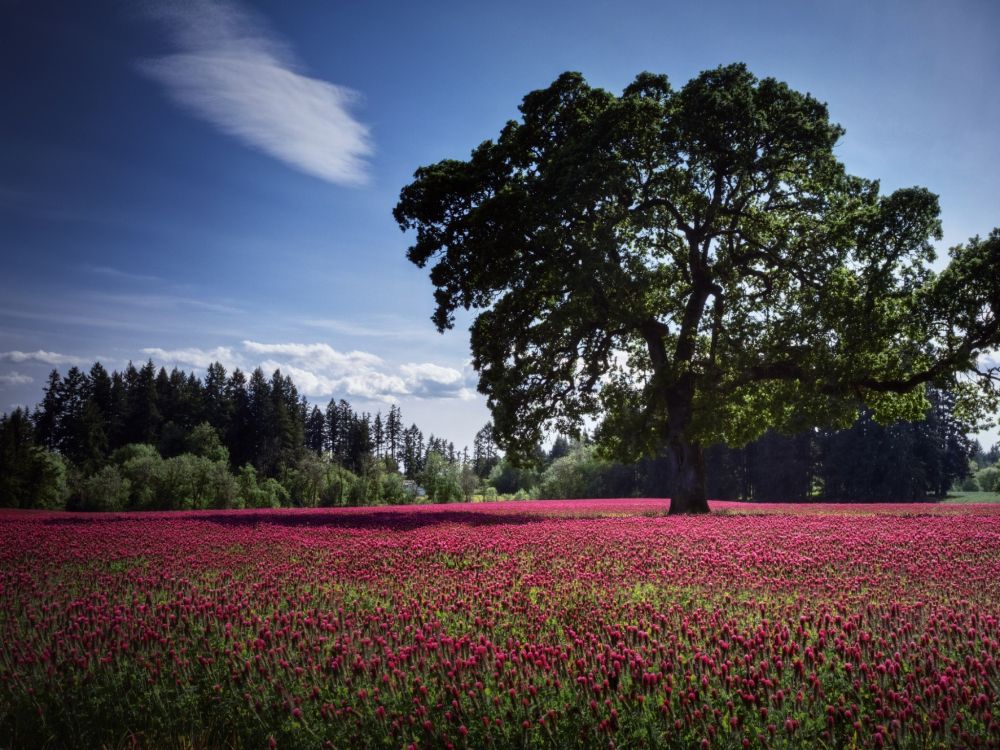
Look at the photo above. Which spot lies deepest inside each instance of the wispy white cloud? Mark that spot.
(194, 357)
(75, 315)
(389, 328)
(117, 273)
(161, 302)
(43, 357)
(232, 71)
(15, 378)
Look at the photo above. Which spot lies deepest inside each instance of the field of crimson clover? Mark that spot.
(549, 624)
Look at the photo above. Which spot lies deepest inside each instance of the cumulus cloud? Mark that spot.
(15, 378)
(320, 370)
(368, 383)
(428, 380)
(41, 356)
(232, 71)
(316, 355)
(194, 357)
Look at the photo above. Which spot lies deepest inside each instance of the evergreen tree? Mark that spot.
(413, 451)
(83, 417)
(262, 423)
(49, 413)
(484, 451)
(190, 401)
(97, 419)
(288, 430)
(240, 437)
(360, 444)
(101, 392)
(333, 431)
(216, 406)
(378, 435)
(166, 395)
(345, 423)
(560, 448)
(394, 432)
(141, 419)
(71, 439)
(316, 439)
(116, 416)
(17, 441)
(950, 447)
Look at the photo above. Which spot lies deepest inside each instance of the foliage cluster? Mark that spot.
(694, 265)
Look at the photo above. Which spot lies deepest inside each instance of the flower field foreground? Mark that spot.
(553, 624)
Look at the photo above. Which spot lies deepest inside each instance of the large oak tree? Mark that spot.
(692, 266)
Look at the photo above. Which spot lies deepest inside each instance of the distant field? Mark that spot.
(972, 497)
(551, 624)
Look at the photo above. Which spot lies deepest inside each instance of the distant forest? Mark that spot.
(149, 439)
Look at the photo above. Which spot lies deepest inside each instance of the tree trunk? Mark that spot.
(687, 457)
(688, 462)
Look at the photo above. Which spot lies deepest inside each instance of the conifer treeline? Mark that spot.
(899, 462)
(148, 438)
(155, 439)
(896, 462)
(262, 421)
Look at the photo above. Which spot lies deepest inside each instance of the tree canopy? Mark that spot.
(693, 266)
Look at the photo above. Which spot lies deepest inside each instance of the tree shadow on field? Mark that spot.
(393, 519)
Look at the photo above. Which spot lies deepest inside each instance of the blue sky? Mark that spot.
(191, 181)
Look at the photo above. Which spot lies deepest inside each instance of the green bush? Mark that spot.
(47, 480)
(143, 472)
(969, 484)
(576, 474)
(221, 487)
(274, 494)
(393, 491)
(178, 483)
(256, 495)
(339, 485)
(440, 479)
(204, 441)
(134, 450)
(988, 479)
(106, 490)
(509, 479)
